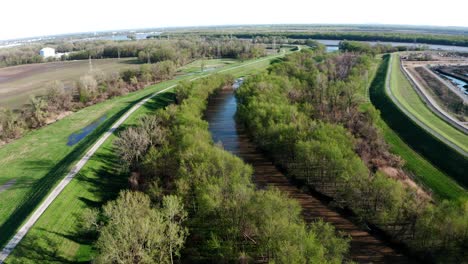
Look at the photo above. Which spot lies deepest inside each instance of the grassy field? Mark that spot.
(409, 134)
(210, 65)
(54, 237)
(17, 83)
(407, 96)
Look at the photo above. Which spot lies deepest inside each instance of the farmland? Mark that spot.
(19, 82)
(91, 187)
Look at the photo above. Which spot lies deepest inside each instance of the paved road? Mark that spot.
(412, 117)
(431, 103)
(6, 251)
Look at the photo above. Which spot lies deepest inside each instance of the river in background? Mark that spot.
(330, 42)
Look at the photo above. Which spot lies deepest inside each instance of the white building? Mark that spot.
(47, 52)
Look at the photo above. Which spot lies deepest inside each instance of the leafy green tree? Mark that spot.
(134, 232)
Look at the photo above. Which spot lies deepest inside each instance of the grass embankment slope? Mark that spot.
(405, 139)
(53, 238)
(405, 94)
(17, 83)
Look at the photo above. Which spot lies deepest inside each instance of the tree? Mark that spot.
(134, 232)
(11, 126)
(174, 215)
(87, 88)
(38, 111)
(132, 145)
(58, 98)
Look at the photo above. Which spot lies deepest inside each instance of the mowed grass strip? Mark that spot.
(395, 126)
(209, 65)
(53, 238)
(405, 94)
(56, 238)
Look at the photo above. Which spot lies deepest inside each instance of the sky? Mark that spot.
(28, 18)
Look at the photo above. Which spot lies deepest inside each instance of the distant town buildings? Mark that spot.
(47, 52)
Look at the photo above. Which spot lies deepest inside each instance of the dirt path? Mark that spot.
(365, 248)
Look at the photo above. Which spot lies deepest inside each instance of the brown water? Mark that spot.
(365, 248)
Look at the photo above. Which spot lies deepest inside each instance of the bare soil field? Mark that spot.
(448, 99)
(17, 83)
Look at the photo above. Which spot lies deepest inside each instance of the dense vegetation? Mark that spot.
(171, 154)
(362, 47)
(306, 114)
(458, 40)
(179, 50)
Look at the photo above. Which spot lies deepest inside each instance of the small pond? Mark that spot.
(462, 85)
(77, 136)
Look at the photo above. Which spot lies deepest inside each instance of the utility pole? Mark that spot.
(90, 64)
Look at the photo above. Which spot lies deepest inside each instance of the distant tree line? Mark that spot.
(363, 47)
(308, 114)
(221, 216)
(438, 39)
(165, 57)
(178, 50)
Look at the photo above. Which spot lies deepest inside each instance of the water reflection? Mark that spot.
(77, 136)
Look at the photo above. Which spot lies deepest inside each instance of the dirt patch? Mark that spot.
(401, 176)
(55, 118)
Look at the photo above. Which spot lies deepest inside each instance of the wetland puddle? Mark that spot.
(77, 136)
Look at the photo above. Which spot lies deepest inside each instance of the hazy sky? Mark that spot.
(24, 18)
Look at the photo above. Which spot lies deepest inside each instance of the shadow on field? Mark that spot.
(43, 186)
(112, 178)
(434, 150)
(107, 186)
(162, 100)
(32, 250)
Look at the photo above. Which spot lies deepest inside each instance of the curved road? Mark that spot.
(6, 251)
(412, 117)
(430, 101)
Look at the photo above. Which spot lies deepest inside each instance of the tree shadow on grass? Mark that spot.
(41, 188)
(160, 100)
(35, 249)
(107, 185)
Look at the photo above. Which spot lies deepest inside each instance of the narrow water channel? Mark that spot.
(365, 248)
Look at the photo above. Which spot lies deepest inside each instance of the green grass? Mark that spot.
(407, 140)
(41, 158)
(407, 96)
(195, 66)
(54, 237)
(33, 79)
